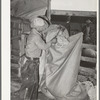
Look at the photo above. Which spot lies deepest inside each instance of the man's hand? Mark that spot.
(54, 41)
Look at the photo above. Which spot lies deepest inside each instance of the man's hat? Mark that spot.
(45, 18)
(39, 21)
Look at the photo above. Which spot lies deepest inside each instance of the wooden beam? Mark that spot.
(49, 9)
(14, 65)
(74, 13)
(85, 71)
(16, 37)
(88, 59)
(89, 46)
(19, 20)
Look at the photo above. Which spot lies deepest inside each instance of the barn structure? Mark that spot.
(75, 20)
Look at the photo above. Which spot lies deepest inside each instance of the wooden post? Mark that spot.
(49, 9)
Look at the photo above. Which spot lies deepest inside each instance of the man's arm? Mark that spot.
(41, 44)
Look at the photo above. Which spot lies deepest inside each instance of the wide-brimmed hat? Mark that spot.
(45, 18)
(39, 23)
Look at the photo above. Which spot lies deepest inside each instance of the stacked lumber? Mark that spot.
(88, 72)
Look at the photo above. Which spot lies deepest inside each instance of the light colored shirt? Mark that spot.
(35, 44)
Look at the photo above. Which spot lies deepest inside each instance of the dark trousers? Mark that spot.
(30, 80)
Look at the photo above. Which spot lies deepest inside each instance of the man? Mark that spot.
(86, 30)
(30, 71)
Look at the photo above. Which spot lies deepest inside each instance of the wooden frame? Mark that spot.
(73, 13)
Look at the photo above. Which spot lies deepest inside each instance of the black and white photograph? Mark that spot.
(53, 49)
